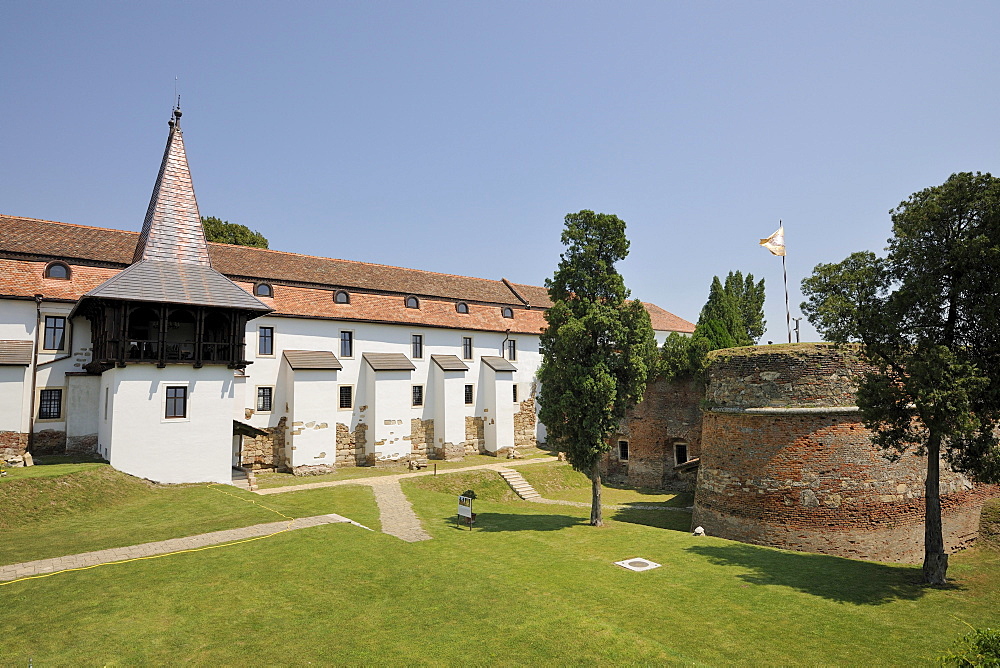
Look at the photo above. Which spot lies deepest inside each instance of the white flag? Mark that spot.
(775, 243)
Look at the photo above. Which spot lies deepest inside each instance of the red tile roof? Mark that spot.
(304, 285)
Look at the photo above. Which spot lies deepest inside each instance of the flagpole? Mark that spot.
(788, 314)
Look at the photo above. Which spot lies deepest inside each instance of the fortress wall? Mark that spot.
(786, 462)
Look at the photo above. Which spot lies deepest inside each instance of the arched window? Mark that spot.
(462, 307)
(507, 312)
(341, 297)
(58, 270)
(412, 302)
(263, 290)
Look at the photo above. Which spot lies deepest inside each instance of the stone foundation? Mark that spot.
(475, 435)
(313, 469)
(449, 451)
(266, 452)
(84, 445)
(351, 445)
(49, 442)
(421, 437)
(524, 425)
(12, 444)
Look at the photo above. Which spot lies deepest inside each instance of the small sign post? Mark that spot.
(465, 510)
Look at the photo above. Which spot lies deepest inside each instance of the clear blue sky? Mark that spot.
(454, 136)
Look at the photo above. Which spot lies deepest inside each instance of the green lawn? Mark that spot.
(267, 479)
(558, 480)
(530, 585)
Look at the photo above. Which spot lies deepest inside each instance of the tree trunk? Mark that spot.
(595, 504)
(935, 558)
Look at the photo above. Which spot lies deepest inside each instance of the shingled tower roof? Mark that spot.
(171, 262)
(172, 231)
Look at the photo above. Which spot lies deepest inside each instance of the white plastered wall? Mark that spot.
(138, 439)
(449, 406)
(313, 433)
(498, 408)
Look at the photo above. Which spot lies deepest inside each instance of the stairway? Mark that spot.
(519, 485)
(244, 479)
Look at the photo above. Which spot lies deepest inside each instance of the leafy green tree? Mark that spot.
(224, 232)
(733, 316)
(926, 316)
(598, 349)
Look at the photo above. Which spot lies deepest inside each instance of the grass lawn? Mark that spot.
(530, 585)
(558, 480)
(268, 479)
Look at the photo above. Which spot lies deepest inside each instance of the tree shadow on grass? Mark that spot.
(834, 578)
(513, 522)
(675, 520)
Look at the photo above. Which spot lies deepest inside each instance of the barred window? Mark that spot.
(55, 332)
(176, 402)
(468, 394)
(515, 393)
(418, 395)
(347, 396)
(50, 405)
(264, 398)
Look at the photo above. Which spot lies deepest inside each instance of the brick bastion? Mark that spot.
(786, 462)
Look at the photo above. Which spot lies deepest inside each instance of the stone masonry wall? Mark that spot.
(351, 445)
(13, 445)
(524, 425)
(670, 412)
(475, 435)
(263, 452)
(421, 437)
(786, 462)
(49, 442)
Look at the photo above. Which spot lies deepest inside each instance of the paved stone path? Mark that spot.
(396, 512)
(91, 559)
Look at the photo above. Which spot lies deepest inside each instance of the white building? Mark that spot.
(177, 359)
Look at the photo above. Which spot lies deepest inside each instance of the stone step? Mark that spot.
(520, 486)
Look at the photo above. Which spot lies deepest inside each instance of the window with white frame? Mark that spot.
(55, 333)
(346, 398)
(511, 349)
(467, 347)
(346, 343)
(417, 346)
(177, 401)
(418, 396)
(50, 404)
(265, 341)
(265, 399)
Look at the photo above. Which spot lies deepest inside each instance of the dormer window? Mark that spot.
(507, 312)
(341, 297)
(412, 302)
(57, 270)
(462, 307)
(263, 290)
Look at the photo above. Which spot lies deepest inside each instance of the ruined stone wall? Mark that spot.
(49, 442)
(266, 452)
(786, 462)
(669, 413)
(13, 445)
(421, 437)
(351, 445)
(475, 435)
(83, 445)
(524, 425)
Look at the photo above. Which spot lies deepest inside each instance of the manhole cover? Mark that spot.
(638, 564)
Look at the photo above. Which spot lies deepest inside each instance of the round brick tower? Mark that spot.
(786, 462)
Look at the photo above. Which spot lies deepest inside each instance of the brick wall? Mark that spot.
(806, 476)
(669, 413)
(13, 444)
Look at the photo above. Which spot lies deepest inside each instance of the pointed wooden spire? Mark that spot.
(172, 231)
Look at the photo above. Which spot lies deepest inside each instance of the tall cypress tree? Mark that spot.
(598, 349)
